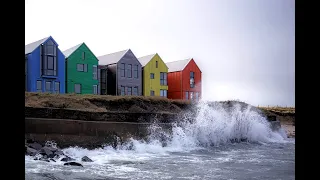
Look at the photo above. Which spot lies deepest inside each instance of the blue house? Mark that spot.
(44, 67)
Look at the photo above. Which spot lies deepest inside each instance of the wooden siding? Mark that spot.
(191, 66)
(153, 84)
(179, 82)
(174, 85)
(84, 78)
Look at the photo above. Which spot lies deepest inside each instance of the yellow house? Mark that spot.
(154, 72)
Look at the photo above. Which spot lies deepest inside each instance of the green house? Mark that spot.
(81, 70)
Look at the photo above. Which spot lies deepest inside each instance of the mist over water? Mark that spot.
(218, 135)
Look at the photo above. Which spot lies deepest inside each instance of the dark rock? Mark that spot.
(67, 158)
(44, 159)
(35, 145)
(52, 149)
(58, 152)
(31, 151)
(86, 159)
(52, 160)
(46, 151)
(72, 164)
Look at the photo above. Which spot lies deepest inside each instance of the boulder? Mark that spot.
(30, 151)
(72, 164)
(58, 152)
(67, 158)
(86, 159)
(35, 146)
(46, 151)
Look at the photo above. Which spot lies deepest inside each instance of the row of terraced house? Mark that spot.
(78, 70)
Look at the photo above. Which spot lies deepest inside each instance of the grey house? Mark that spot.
(120, 74)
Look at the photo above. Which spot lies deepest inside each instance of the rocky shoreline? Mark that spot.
(49, 152)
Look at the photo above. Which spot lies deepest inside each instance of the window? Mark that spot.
(163, 93)
(77, 88)
(82, 67)
(197, 96)
(135, 71)
(129, 91)
(95, 89)
(57, 87)
(163, 79)
(48, 86)
(191, 79)
(94, 72)
(122, 91)
(135, 91)
(187, 95)
(129, 71)
(191, 95)
(39, 86)
(151, 75)
(83, 55)
(151, 93)
(156, 64)
(49, 59)
(122, 70)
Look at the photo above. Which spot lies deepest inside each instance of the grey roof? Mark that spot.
(177, 65)
(111, 58)
(32, 46)
(145, 59)
(69, 51)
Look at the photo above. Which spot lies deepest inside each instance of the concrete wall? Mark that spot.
(84, 133)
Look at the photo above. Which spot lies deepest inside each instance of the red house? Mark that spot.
(184, 80)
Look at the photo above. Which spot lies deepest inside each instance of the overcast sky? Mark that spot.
(245, 48)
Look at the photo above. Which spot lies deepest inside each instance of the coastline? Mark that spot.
(62, 117)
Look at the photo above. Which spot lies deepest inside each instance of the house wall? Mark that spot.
(191, 66)
(153, 84)
(34, 72)
(84, 78)
(175, 85)
(129, 58)
(102, 70)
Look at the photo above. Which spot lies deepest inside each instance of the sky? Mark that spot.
(245, 49)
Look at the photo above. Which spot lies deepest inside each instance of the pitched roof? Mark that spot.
(69, 51)
(112, 58)
(145, 59)
(32, 46)
(177, 65)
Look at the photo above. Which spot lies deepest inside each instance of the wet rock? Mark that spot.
(86, 159)
(59, 152)
(67, 158)
(31, 151)
(72, 164)
(44, 159)
(35, 146)
(46, 151)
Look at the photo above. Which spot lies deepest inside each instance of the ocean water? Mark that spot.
(208, 147)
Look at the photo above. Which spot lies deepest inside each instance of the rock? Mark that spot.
(52, 160)
(44, 159)
(67, 158)
(59, 152)
(86, 159)
(72, 164)
(35, 145)
(31, 151)
(46, 151)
